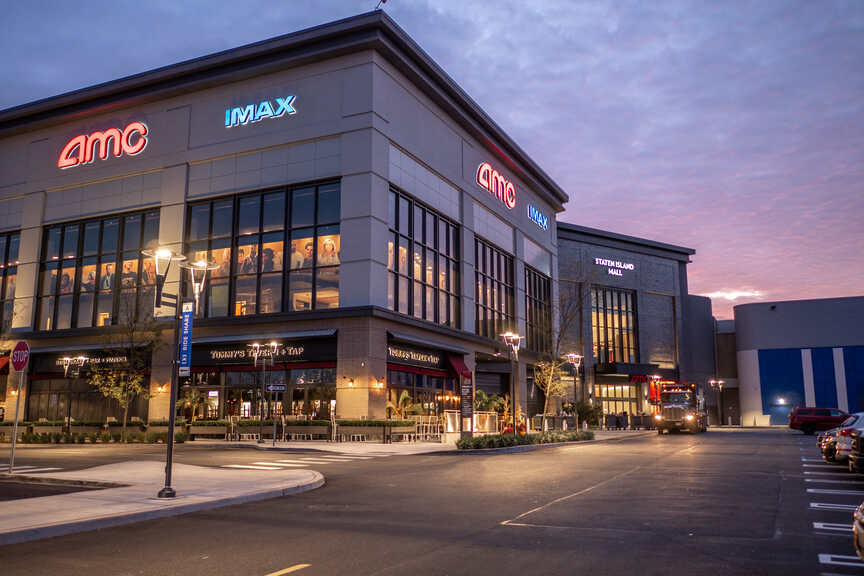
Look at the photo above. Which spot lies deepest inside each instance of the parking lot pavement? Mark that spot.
(832, 493)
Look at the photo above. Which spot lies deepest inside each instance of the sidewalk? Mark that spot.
(198, 488)
(395, 449)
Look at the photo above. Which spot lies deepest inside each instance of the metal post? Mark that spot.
(514, 375)
(15, 426)
(261, 406)
(273, 403)
(167, 491)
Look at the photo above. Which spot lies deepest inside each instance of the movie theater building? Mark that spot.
(361, 211)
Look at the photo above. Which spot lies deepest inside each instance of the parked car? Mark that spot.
(828, 444)
(856, 455)
(858, 531)
(810, 420)
(843, 436)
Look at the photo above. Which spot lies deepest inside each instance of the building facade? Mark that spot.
(625, 308)
(361, 212)
(799, 353)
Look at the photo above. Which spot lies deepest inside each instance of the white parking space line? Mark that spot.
(832, 526)
(280, 464)
(834, 507)
(840, 560)
(249, 467)
(304, 461)
(823, 465)
(838, 492)
(829, 481)
(805, 459)
(826, 473)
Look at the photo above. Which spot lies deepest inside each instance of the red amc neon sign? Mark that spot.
(83, 149)
(496, 184)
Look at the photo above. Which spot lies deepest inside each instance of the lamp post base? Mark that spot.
(166, 492)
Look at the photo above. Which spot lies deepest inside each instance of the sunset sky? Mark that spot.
(734, 128)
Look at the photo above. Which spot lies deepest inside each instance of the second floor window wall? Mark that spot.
(493, 291)
(93, 272)
(613, 322)
(538, 311)
(276, 250)
(423, 262)
(8, 275)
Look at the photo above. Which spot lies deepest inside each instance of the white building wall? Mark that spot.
(750, 389)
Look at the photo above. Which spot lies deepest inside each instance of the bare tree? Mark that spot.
(121, 372)
(549, 371)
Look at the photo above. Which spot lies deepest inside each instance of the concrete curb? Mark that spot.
(531, 447)
(52, 531)
(320, 451)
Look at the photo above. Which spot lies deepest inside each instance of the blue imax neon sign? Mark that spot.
(538, 217)
(242, 115)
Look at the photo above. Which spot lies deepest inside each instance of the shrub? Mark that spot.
(93, 436)
(217, 423)
(180, 437)
(117, 437)
(507, 440)
(157, 437)
(105, 437)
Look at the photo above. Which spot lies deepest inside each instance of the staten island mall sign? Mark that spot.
(614, 267)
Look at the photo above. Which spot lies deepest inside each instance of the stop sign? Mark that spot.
(20, 356)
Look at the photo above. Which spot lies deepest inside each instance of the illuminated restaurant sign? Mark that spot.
(614, 267)
(538, 217)
(82, 148)
(422, 358)
(242, 115)
(220, 354)
(496, 184)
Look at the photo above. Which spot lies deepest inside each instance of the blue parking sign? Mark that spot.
(186, 339)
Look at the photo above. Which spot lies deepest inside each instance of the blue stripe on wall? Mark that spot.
(853, 358)
(824, 382)
(781, 376)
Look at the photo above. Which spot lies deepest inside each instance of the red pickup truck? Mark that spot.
(809, 420)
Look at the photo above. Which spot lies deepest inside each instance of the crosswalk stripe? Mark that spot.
(829, 481)
(249, 467)
(836, 507)
(839, 492)
(346, 458)
(29, 469)
(808, 472)
(280, 464)
(820, 466)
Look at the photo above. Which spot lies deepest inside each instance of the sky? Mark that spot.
(734, 128)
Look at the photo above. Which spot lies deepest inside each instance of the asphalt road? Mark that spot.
(725, 502)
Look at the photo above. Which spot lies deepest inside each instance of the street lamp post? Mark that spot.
(75, 364)
(198, 274)
(513, 342)
(575, 361)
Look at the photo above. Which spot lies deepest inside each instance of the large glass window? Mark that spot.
(276, 250)
(613, 322)
(8, 276)
(423, 262)
(493, 291)
(93, 272)
(538, 311)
